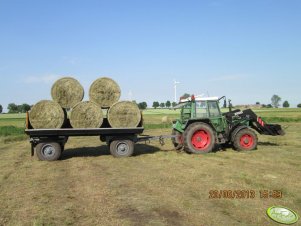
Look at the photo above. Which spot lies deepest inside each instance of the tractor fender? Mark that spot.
(235, 131)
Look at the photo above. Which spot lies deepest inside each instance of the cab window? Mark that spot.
(201, 109)
(186, 112)
(213, 109)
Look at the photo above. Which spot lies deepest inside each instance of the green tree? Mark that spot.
(162, 105)
(299, 105)
(156, 104)
(174, 104)
(257, 103)
(285, 104)
(142, 105)
(23, 108)
(1, 108)
(168, 104)
(275, 101)
(12, 108)
(269, 106)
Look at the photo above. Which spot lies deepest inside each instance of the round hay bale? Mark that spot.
(86, 115)
(67, 92)
(47, 114)
(124, 114)
(104, 92)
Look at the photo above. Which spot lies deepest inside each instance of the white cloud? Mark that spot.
(46, 79)
(227, 78)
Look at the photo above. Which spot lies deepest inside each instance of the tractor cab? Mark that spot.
(197, 108)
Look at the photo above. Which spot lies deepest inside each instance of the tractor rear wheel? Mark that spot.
(245, 140)
(178, 140)
(199, 138)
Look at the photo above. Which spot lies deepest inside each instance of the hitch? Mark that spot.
(161, 138)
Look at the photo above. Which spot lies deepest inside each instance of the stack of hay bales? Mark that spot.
(67, 94)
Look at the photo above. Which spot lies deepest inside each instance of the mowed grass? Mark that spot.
(157, 186)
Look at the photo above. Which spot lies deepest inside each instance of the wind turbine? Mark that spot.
(175, 86)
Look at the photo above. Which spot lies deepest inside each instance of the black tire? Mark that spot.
(199, 138)
(62, 147)
(48, 151)
(178, 140)
(245, 140)
(122, 148)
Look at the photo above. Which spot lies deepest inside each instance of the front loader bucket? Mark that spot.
(274, 129)
(261, 126)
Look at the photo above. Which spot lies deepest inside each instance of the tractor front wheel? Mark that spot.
(245, 140)
(199, 138)
(178, 140)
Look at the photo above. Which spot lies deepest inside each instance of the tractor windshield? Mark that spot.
(201, 109)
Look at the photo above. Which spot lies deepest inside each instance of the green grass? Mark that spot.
(281, 119)
(10, 130)
(18, 122)
(12, 116)
(10, 134)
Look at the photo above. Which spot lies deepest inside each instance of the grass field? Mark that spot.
(157, 186)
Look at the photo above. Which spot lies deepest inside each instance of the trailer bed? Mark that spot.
(83, 132)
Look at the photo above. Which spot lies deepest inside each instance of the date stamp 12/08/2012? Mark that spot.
(245, 194)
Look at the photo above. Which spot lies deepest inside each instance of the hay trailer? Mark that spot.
(48, 144)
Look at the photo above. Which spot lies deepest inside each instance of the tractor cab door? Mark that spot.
(186, 112)
(215, 116)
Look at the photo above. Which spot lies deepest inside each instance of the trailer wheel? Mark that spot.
(199, 138)
(178, 140)
(48, 151)
(122, 148)
(245, 140)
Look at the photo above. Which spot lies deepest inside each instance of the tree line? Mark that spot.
(156, 104)
(14, 108)
(275, 102)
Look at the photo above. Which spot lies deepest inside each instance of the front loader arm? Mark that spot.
(255, 122)
(261, 126)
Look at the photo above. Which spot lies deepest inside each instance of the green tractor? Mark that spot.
(202, 126)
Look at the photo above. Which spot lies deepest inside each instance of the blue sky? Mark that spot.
(246, 50)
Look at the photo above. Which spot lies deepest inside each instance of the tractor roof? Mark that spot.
(198, 98)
